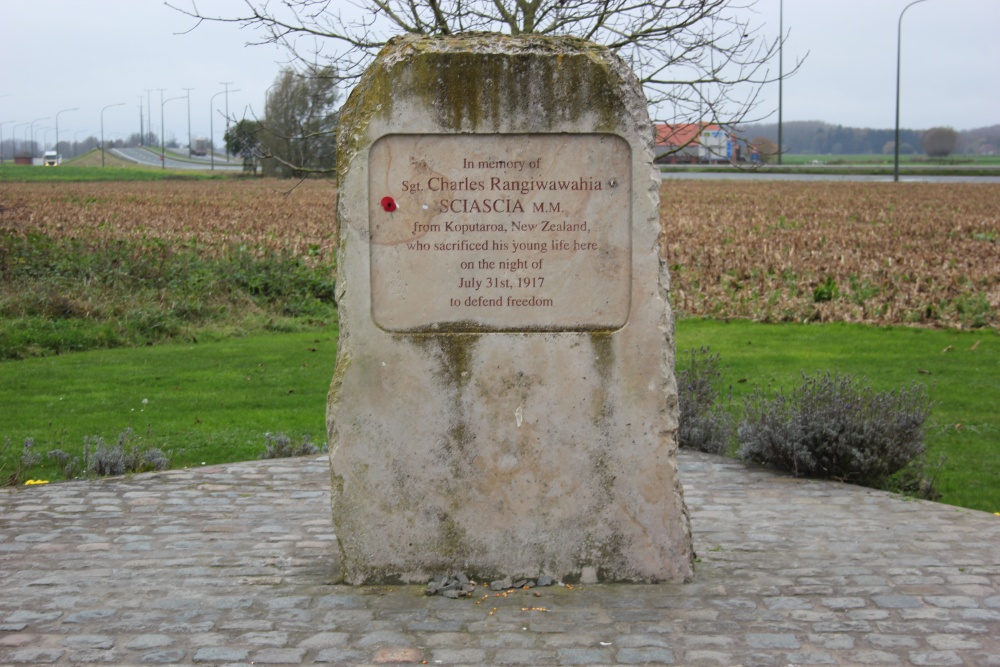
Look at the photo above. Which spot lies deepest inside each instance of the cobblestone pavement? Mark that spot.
(232, 565)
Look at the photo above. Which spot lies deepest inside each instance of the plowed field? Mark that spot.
(884, 253)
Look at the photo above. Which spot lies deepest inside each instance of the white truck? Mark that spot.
(51, 159)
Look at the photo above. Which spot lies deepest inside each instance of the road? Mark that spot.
(145, 157)
(748, 175)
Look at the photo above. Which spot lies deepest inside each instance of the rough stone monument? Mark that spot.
(504, 400)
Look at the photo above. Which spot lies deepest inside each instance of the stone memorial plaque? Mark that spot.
(504, 402)
(500, 232)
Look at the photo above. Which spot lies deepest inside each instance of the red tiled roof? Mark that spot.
(682, 134)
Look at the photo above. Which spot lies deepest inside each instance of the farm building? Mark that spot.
(694, 142)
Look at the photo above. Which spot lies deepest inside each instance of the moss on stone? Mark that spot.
(472, 82)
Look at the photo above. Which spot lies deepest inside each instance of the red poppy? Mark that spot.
(389, 204)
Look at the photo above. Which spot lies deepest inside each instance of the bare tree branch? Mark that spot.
(699, 61)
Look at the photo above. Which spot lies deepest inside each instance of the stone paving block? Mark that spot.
(638, 641)
(704, 657)
(451, 656)
(35, 656)
(811, 658)
(768, 640)
(935, 658)
(896, 601)
(873, 658)
(90, 616)
(325, 640)
(642, 656)
(843, 603)
(951, 642)
(341, 656)
(583, 656)
(951, 601)
(892, 641)
(142, 642)
(384, 638)
(165, 657)
(837, 642)
(278, 656)
(523, 656)
(88, 641)
(220, 654)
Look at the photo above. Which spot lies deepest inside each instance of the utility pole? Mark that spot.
(141, 139)
(226, 91)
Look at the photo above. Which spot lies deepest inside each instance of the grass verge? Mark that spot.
(962, 370)
(215, 401)
(64, 295)
(89, 169)
(207, 403)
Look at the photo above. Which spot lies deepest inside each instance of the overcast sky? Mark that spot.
(88, 54)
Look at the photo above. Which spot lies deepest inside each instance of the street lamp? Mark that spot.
(57, 129)
(211, 125)
(781, 67)
(32, 147)
(140, 121)
(120, 104)
(13, 137)
(163, 141)
(149, 111)
(1, 139)
(227, 84)
(76, 142)
(899, 51)
(189, 118)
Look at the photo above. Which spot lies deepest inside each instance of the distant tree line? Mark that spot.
(815, 137)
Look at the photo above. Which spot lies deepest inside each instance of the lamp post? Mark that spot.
(163, 141)
(32, 146)
(161, 112)
(149, 112)
(57, 129)
(120, 104)
(76, 142)
(227, 84)
(899, 51)
(189, 118)
(1, 139)
(13, 137)
(781, 67)
(140, 121)
(211, 125)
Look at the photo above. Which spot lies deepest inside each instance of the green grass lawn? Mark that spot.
(89, 169)
(216, 400)
(210, 402)
(965, 383)
(887, 158)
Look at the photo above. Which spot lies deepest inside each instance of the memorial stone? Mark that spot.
(504, 401)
